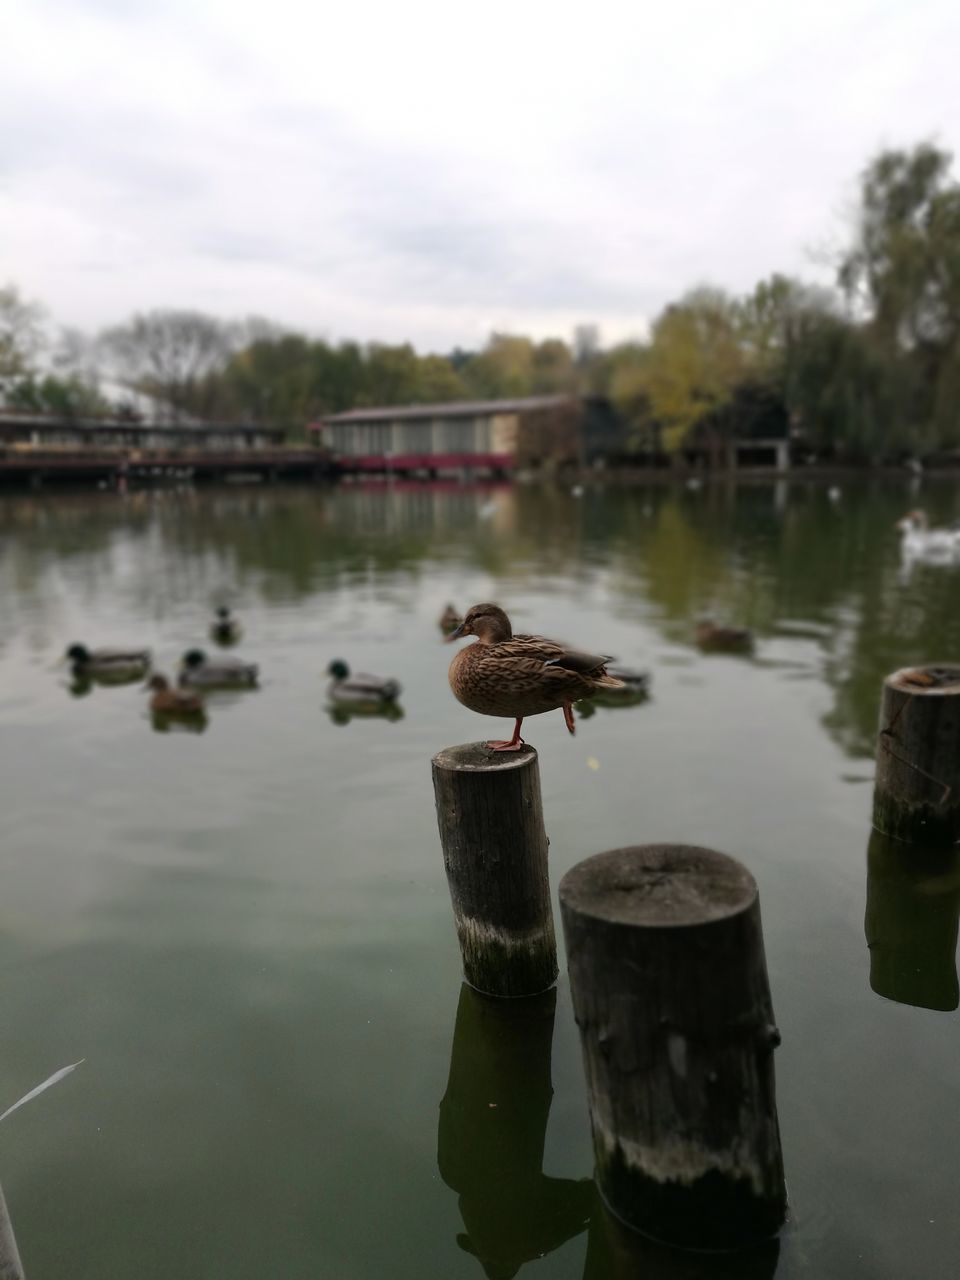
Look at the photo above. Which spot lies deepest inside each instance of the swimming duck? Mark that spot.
(918, 539)
(201, 672)
(359, 689)
(632, 680)
(168, 701)
(731, 639)
(519, 676)
(225, 629)
(115, 664)
(449, 620)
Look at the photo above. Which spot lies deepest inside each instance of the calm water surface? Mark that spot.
(247, 935)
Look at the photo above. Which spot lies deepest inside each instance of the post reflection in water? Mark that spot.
(493, 1124)
(616, 1253)
(913, 906)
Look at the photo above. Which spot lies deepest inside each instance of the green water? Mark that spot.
(247, 935)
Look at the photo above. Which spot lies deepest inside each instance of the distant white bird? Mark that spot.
(577, 491)
(694, 483)
(919, 542)
(834, 494)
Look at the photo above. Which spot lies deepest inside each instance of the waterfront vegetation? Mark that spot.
(866, 370)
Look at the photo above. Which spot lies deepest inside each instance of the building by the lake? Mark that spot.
(25, 432)
(472, 436)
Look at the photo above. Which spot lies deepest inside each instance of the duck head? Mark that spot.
(338, 669)
(157, 684)
(913, 522)
(78, 653)
(487, 622)
(194, 658)
(223, 613)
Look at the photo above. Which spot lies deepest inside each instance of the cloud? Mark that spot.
(418, 172)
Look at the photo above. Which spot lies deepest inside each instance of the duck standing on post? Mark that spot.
(519, 676)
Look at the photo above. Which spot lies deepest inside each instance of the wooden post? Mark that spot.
(913, 908)
(669, 985)
(11, 1268)
(495, 854)
(917, 792)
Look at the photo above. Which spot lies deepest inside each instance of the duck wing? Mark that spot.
(554, 654)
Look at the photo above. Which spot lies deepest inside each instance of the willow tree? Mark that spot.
(902, 278)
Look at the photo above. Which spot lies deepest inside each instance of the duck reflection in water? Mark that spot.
(493, 1125)
(913, 908)
(163, 722)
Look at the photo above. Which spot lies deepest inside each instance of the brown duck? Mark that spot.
(168, 701)
(519, 676)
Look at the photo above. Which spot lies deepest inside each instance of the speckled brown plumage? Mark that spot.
(519, 676)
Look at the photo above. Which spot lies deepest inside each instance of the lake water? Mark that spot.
(246, 932)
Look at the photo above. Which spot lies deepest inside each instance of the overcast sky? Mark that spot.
(431, 171)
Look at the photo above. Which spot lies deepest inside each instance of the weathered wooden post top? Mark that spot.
(670, 992)
(917, 790)
(490, 817)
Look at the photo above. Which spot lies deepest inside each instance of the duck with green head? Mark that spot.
(356, 689)
(519, 676)
(108, 664)
(200, 672)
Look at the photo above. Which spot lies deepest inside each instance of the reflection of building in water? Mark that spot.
(378, 507)
(913, 905)
(493, 1124)
(493, 436)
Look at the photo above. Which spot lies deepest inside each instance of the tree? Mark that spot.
(170, 354)
(21, 332)
(693, 363)
(902, 276)
(66, 397)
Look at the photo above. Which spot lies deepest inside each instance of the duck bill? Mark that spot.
(455, 634)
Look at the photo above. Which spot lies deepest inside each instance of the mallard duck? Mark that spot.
(519, 676)
(449, 620)
(920, 541)
(200, 672)
(108, 664)
(355, 690)
(168, 701)
(733, 639)
(633, 681)
(635, 689)
(225, 629)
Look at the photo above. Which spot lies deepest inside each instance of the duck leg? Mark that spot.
(515, 743)
(568, 718)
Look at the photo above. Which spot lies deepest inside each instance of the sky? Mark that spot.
(431, 172)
